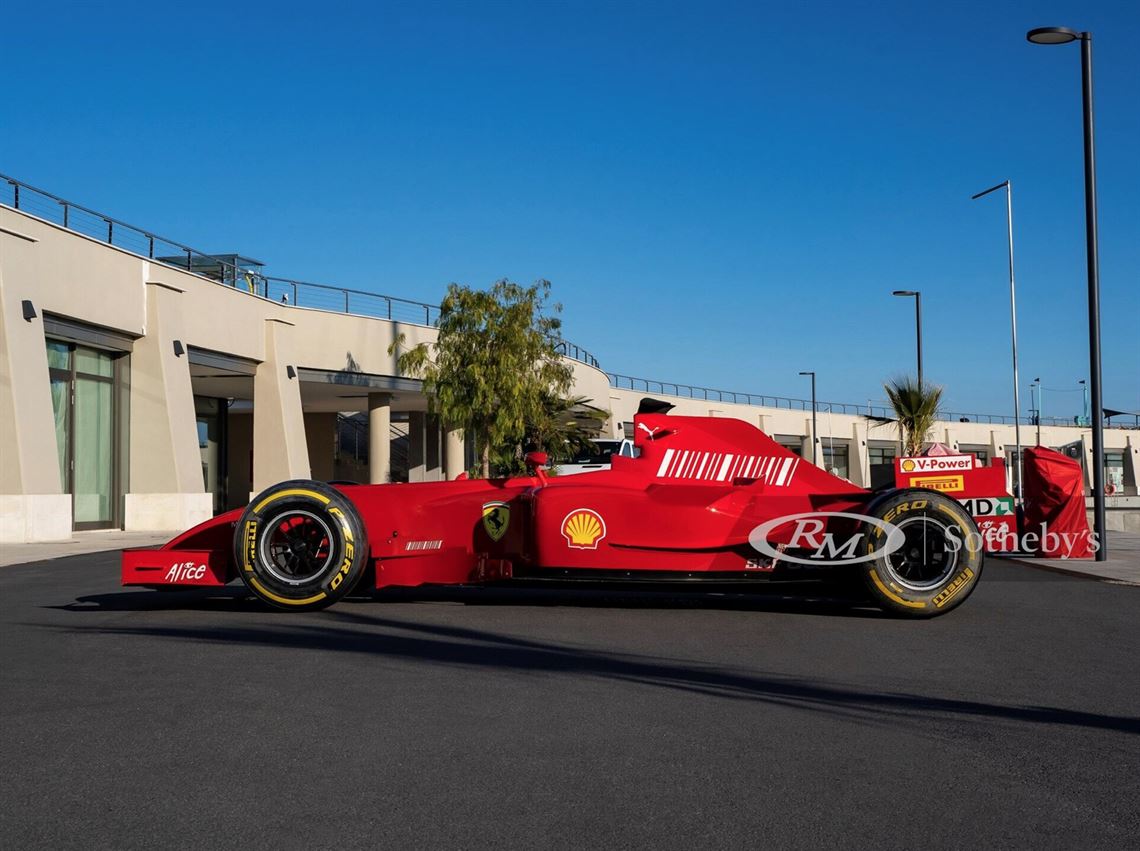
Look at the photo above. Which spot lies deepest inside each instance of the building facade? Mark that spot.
(138, 394)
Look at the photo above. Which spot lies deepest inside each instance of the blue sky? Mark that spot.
(722, 194)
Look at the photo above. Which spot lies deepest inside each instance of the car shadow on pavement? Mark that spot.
(345, 631)
(808, 601)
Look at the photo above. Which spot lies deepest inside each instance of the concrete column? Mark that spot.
(433, 449)
(239, 434)
(805, 445)
(1087, 451)
(417, 456)
(320, 434)
(453, 455)
(997, 450)
(1131, 466)
(166, 488)
(858, 457)
(379, 438)
(280, 451)
(33, 506)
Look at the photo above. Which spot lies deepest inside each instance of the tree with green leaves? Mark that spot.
(493, 364)
(916, 410)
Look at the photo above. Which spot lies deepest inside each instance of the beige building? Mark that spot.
(144, 385)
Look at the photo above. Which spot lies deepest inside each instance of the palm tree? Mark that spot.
(916, 410)
(561, 427)
(565, 427)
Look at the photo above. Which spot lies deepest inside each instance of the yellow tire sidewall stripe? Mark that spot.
(285, 601)
(892, 595)
(320, 497)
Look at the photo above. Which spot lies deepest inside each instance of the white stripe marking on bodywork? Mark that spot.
(665, 462)
(724, 468)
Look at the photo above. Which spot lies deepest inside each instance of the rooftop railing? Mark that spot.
(711, 394)
(146, 243)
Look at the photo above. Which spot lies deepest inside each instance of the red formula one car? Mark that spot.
(706, 498)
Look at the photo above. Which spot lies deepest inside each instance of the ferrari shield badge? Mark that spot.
(496, 519)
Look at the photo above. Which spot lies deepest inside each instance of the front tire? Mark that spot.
(937, 562)
(300, 545)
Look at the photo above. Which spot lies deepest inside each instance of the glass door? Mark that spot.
(83, 400)
(93, 466)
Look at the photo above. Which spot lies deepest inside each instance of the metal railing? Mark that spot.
(575, 352)
(711, 394)
(42, 204)
(342, 300)
(76, 217)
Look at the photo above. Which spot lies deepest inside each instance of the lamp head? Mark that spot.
(905, 292)
(1052, 35)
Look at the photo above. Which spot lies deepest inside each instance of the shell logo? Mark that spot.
(908, 466)
(583, 528)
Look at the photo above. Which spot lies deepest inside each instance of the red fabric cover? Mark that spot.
(1055, 498)
(938, 449)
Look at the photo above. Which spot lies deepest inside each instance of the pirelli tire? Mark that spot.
(936, 560)
(300, 545)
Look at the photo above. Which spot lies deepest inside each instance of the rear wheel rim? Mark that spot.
(297, 547)
(926, 559)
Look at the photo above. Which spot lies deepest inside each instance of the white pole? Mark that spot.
(1013, 328)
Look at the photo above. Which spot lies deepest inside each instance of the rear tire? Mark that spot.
(300, 545)
(939, 559)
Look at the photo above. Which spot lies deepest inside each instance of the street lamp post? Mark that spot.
(1085, 410)
(814, 430)
(1013, 322)
(917, 325)
(1040, 407)
(1064, 35)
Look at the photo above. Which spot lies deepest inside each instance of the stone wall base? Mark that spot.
(160, 512)
(27, 518)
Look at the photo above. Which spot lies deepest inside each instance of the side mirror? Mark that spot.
(536, 461)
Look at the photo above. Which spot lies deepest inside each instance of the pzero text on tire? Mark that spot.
(938, 560)
(300, 545)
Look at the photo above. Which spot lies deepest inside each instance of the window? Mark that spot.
(981, 453)
(791, 442)
(1114, 471)
(213, 447)
(882, 454)
(835, 459)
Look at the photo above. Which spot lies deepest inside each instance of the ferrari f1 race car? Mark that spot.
(704, 499)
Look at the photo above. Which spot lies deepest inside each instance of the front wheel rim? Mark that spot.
(297, 547)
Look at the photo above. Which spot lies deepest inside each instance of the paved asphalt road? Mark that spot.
(484, 718)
